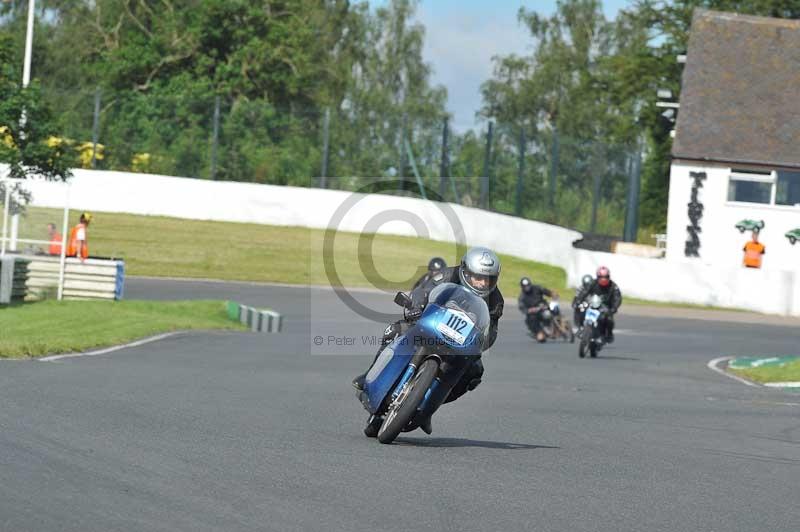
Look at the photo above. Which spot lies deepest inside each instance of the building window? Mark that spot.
(750, 187)
(788, 192)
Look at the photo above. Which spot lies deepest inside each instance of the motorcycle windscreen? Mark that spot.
(591, 316)
(455, 320)
(390, 365)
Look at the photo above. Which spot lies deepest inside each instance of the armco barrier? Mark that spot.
(13, 277)
(257, 320)
(90, 279)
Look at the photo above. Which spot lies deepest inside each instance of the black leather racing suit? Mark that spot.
(578, 313)
(425, 279)
(612, 299)
(532, 298)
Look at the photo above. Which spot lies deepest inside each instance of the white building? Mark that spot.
(736, 155)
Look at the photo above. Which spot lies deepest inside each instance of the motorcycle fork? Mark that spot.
(451, 369)
(415, 362)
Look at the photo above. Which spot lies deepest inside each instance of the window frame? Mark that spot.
(754, 176)
(775, 192)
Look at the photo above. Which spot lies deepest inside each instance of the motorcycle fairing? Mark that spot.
(391, 364)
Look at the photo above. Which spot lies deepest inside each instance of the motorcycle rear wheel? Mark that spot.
(403, 409)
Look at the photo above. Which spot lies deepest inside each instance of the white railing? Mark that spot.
(9, 238)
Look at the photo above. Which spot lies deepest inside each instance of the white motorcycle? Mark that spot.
(594, 317)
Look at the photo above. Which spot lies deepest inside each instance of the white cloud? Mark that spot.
(460, 46)
(462, 36)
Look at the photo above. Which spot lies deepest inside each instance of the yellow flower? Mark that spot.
(141, 162)
(55, 142)
(85, 153)
(5, 137)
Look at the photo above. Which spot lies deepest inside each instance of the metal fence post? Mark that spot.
(632, 207)
(487, 168)
(323, 178)
(595, 200)
(14, 231)
(417, 175)
(95, 126)
(520, 172)
(444, 170)
(62, 263)
(215, 139)
(6, 201)
(401, 163)
(554, 167)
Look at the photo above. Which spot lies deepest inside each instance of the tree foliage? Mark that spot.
(29, 142)
(594, 82)
(577, 109)
(276, 66)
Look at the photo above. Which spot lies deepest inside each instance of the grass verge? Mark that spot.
(51, 327)
(159, 246)
(786, 372)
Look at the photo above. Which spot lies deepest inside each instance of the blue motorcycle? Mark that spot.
(414, 374)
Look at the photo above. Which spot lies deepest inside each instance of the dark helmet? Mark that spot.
(479, 271)
(526, 284)
(436, 264)
(603, 276)
(587, 280)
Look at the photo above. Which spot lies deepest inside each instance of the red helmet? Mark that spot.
(603, 276)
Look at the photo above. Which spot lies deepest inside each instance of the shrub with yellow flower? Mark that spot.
(141, 162)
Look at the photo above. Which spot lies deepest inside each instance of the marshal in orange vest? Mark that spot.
(753, 251)
(55, 240)
(75, 232)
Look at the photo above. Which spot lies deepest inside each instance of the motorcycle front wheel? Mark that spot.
(594, 343)
(404, 407)
(586, 335)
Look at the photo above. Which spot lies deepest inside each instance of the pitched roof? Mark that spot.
(740, 100)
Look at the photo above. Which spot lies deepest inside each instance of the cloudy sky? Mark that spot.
(462, 36)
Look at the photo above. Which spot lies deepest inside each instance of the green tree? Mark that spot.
(28, 136)
(277, 65)
(556, 96)
(648, 37)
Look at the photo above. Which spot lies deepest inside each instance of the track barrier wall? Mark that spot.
(13, 278)
(768, 291)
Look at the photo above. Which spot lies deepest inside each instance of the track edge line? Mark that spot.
(714, 366)
(106, 350)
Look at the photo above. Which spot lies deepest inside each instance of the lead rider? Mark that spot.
(479, 271)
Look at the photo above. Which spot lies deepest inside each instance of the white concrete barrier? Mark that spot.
(767, 291)
(228, 201)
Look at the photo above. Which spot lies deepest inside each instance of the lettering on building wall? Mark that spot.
(695, 211)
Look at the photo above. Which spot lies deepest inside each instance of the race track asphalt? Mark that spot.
(240, 431)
